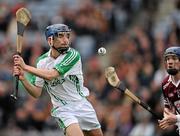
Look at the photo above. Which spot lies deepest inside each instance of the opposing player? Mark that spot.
(171, 89)
(60, 71)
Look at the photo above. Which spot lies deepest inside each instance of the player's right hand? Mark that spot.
(17, 70)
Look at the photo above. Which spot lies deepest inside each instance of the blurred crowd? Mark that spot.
(135, 34)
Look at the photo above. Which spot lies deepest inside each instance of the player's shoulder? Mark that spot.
(73, 51)
(165, 80)
(42, 57)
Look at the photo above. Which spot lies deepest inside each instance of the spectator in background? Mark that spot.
(5, 17)
(143, 127)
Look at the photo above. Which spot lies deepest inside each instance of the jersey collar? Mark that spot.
(171, 80)
(49, 52)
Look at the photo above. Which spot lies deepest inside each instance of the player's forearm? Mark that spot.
(32, 90)
(43, 73)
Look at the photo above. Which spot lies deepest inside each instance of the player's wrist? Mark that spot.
(25, 67)
(22, 78)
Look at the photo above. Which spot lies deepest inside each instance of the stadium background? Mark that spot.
(135, 33)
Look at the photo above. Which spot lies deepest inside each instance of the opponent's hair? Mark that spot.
(54, 29)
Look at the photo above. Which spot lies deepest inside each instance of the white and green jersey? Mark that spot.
(69, 85)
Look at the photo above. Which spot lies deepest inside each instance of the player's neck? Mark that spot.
(54, 54)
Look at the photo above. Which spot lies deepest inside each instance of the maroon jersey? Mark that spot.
(171, 92)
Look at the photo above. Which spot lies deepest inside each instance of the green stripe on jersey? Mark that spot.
(54, 109)
(68, 62)
(61, 123)
(33, 78)
(76, 82)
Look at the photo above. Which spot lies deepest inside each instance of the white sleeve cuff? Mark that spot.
(178, 118)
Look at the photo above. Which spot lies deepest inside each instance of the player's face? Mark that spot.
(172, 62)
(62, 39)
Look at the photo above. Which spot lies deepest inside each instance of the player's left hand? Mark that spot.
(167, 121)
(18, 60)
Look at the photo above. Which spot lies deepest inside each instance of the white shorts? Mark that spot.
(80, 112)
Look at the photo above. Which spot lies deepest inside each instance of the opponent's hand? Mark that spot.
(18, 61)
(167, 121)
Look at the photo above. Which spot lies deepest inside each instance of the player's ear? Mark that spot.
(50, 40)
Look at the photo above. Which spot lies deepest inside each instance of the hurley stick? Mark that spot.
(23, 17)
(115, 82)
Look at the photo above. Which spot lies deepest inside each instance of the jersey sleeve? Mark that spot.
(68, 62)
(35, 80)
